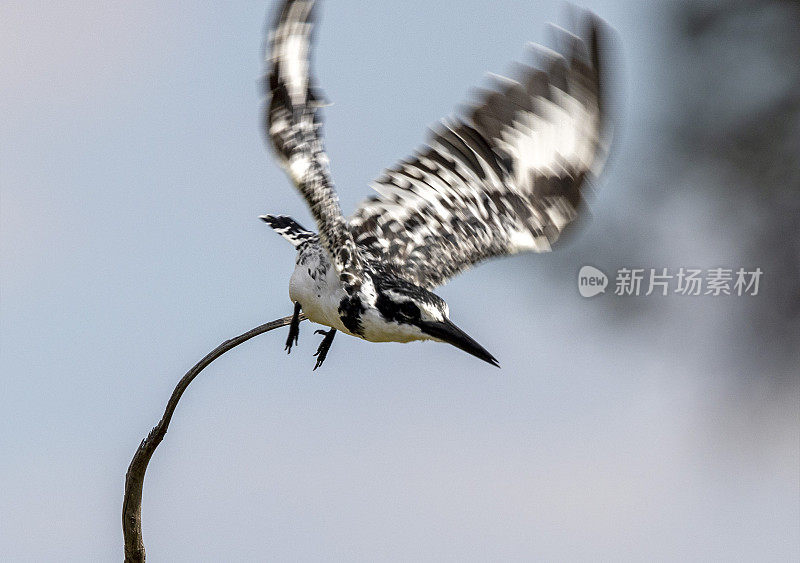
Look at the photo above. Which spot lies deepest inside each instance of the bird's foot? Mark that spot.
(294, 329)
(324, 346)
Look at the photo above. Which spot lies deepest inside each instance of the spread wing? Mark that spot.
(504, 179)
(293, 126)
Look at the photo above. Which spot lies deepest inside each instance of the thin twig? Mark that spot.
(134, 478)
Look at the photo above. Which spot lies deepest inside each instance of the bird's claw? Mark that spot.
(291, 341)
(324, 346)
(294, 330)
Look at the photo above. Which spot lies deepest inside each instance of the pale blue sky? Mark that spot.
(133, 170)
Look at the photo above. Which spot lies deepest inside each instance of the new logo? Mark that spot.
(591, 281)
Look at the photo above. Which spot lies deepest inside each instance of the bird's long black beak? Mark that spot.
(446, 331)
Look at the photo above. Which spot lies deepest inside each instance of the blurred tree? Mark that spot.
(742, 123)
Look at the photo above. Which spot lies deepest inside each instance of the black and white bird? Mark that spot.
(506, 177)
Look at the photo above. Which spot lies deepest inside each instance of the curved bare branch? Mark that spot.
(134, 478)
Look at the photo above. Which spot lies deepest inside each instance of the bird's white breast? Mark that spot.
(316, 286)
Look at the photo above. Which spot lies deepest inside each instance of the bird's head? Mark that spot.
(419, 314)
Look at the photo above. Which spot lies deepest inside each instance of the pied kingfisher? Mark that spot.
(504, 178)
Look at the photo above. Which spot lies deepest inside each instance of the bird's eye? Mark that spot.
(409, 310)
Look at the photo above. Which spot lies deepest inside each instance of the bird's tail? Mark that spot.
(289, 229)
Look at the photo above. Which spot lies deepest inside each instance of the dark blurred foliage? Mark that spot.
(705, 172)
(742, 122)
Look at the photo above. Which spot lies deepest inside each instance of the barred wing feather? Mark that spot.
(506, 178)
(294, 129)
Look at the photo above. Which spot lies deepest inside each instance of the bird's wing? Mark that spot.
(504, 179)
(293, 126)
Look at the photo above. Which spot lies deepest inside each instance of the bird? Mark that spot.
(506, 175)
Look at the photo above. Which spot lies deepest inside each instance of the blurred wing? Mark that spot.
(506, 179)
(293, 125)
